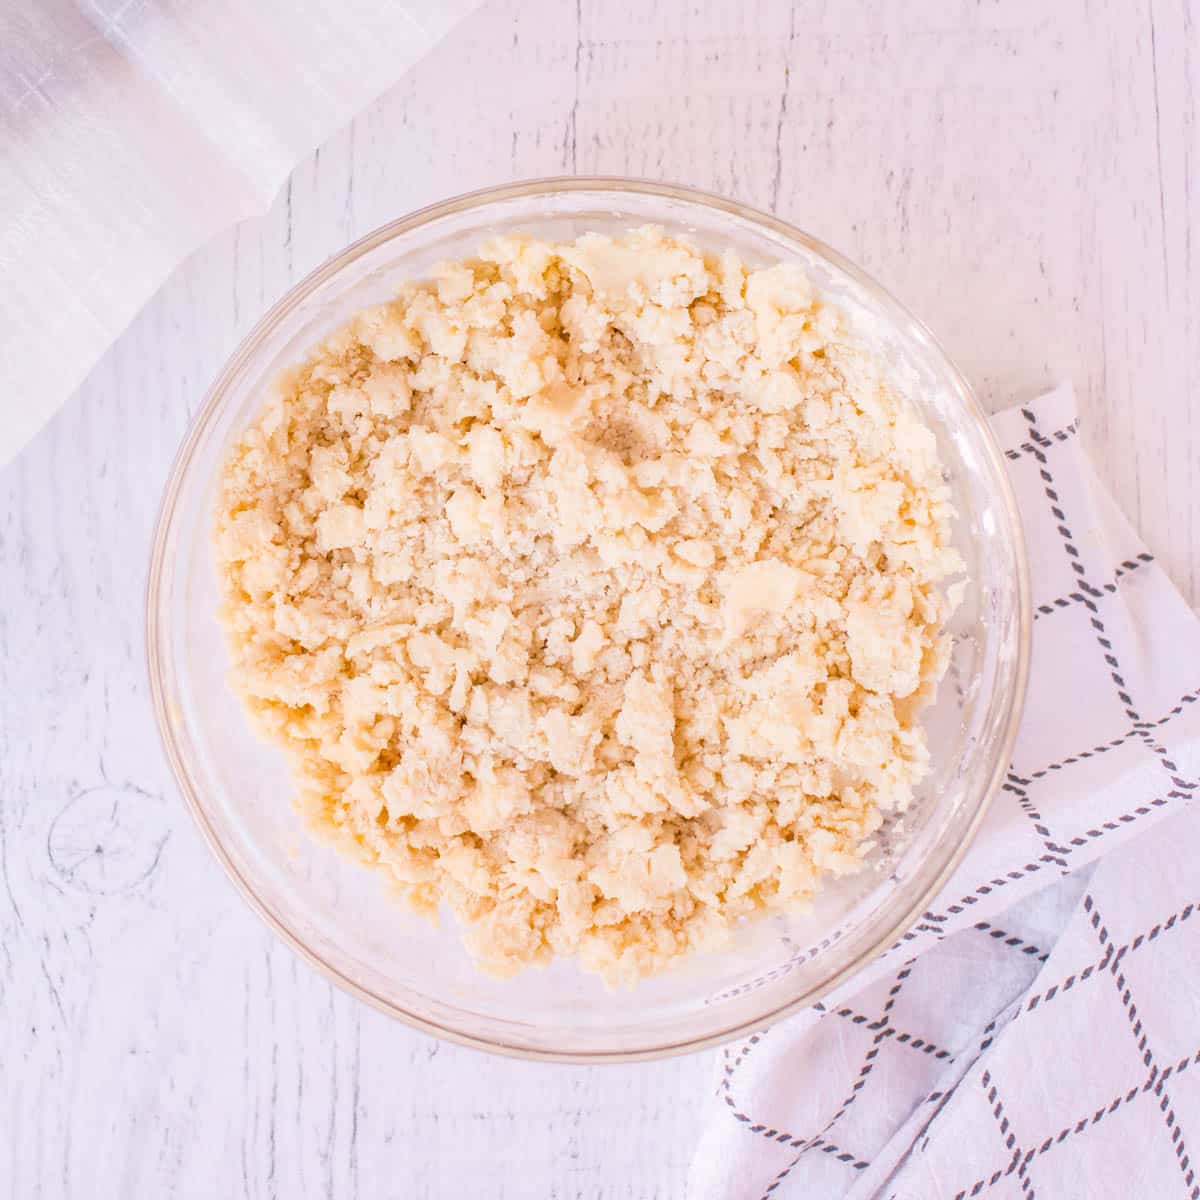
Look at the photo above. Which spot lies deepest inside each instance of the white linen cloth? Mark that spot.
(1022, 1040)
(133, 130)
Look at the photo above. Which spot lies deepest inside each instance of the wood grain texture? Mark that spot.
(1025, 176)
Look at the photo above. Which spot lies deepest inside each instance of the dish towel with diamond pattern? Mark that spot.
(1037, 1033)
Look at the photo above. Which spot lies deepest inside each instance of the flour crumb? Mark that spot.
(593, 590)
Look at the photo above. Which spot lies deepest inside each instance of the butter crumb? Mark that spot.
(593, 591)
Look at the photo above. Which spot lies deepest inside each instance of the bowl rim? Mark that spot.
(524, 189)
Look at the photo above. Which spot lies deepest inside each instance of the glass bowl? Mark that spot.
(339, 916)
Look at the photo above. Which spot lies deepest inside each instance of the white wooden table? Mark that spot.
(1026, 176)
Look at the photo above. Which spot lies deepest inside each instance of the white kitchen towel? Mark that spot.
(133, 130)
(1022, 1040)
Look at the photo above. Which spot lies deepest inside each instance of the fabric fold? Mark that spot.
(879, 1091)
(110, 115)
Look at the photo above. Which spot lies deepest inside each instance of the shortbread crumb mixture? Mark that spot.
(593, 590)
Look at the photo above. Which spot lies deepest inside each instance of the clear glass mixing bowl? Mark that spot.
(339, 916)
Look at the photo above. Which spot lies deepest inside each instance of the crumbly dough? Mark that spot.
(593, 590)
